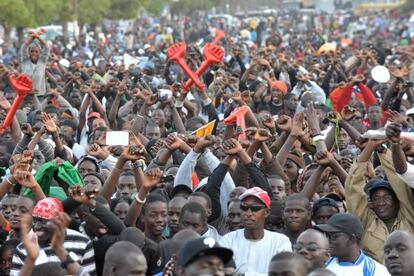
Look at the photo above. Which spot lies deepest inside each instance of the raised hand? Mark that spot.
(348, 113)
(400, 73)
(284, 123)
(27, 130)
(298, 125)
(397, 117)
(98, 152)
(393, 132)
(268, 122)
(312, 119)
(232, 147)
(4, 104)
(174, 142)
(152, 178)
(25, 178)
(59, 226)
(48, 122)
(204, 142)
(29, 239)
(83, 195)
(324, 158)
(135, 150)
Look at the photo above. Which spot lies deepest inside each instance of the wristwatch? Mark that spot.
(70, 258)
(137, 164)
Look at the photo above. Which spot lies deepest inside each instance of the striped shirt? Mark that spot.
(364, 266)
(74, 242)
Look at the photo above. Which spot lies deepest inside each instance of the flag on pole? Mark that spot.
(207, 129)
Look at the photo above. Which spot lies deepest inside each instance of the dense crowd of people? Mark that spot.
(295, 159)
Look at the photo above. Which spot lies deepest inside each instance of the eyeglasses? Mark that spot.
(253, 208)
(308, 247)
(388, 199)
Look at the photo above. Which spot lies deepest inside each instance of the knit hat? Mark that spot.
(280, 85)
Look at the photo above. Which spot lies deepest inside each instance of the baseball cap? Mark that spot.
(48, 208)
(325, 201)
(345, 223)
(257, 193)
(377, 183)
(200, 247)
(180, 188)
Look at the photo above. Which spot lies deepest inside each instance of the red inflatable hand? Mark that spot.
(23, 86)
(219, 36)
(176, 54)
(237, 117)
(213, 54)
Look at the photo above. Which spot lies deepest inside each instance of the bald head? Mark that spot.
(399, 253)
(314, 236)
(124, 258)
(314, 247)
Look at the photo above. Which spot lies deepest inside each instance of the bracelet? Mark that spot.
(396, 143)
(138, 200)
(8, 180)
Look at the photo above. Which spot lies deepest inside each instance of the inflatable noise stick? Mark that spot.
(23, 86)
(213, 54)
(237, 116)
(176, 54)
(219, 36)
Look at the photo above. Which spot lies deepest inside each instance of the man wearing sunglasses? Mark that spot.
(253, 246)
(344, 232)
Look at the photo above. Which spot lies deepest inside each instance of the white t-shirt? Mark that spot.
(253, 257)
(364, 266)
(408, 176)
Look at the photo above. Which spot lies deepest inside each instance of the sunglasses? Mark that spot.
(253, 208)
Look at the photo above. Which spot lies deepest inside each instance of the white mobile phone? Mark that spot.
(117, 138)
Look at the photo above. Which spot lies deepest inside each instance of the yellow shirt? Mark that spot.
(376, 231)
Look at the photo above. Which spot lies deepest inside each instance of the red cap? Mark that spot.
(257, 193)
(280, 85)
(94, 115)
(48, 208)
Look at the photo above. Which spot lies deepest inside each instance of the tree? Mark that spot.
(188, 6)
(92, 11)
(66, 11)
(154, 6)
(12, 13)
(123, 9)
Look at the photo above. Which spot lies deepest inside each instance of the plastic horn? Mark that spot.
(23, 86)
(213, 54)
(176, 54)
(237, 116)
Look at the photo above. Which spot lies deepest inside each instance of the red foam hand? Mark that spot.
(219, 36)
(23, 86)
(213, 54)
(237, 117)
(176, 54)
